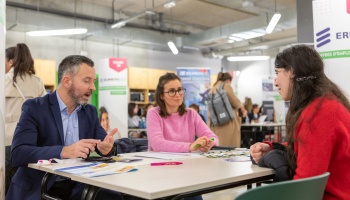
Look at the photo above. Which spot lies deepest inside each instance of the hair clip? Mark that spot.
(305, 78)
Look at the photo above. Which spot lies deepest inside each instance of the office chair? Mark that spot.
(303, 189)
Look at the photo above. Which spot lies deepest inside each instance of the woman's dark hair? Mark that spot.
(223, 77)
(10, 53)
(23, 62)
(145, 109)
(131, 107)
(102, 111)
(194, 106)
(255, 106)
(159, 91)
(308, 83)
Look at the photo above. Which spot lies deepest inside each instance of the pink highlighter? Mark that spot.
(166, 163)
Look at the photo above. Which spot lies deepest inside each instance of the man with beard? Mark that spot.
(59, 125)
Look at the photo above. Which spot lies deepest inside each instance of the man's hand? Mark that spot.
(80, 149)
(258, 150)
(107, 144)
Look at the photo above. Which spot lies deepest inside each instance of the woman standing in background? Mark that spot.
(20, 84)
(229, 134)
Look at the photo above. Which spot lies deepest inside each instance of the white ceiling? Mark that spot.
(203, 25)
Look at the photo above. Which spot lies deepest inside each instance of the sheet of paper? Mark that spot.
(97, 169)
(163, 155)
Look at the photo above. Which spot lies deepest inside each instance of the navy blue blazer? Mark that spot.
(39, 136)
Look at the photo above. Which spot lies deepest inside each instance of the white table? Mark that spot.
(195, 176)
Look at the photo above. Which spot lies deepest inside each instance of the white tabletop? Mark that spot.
(152, 182)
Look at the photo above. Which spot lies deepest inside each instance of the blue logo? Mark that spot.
(322, 37)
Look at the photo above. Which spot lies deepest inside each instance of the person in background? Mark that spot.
(171, 127)
(254, 115)
(59, 125)
(248, 104)
(104, 121)
(230, 133)
(20, 84)
(196, 108)
(254, 118)
(133, 120)
(147, 108)
(317, 122)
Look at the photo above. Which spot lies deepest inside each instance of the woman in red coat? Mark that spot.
(318, 121)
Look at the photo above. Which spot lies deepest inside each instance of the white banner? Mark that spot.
(332, 39)
(113, 92)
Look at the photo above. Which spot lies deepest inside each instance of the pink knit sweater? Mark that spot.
(175, 133)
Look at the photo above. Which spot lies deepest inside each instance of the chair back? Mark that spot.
(303, 189)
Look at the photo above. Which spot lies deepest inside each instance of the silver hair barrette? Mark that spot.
(305, 78)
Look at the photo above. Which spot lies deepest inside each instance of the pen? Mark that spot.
(165, 163)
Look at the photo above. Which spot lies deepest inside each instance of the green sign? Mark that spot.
(335, 54)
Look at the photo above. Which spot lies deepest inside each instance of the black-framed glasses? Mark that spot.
(172, 92)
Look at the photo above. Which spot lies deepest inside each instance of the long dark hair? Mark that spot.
(159, 91)
(131, 107)
(23, 62)
(308, 83)
(223, 77)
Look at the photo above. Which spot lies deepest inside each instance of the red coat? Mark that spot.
(323, 145)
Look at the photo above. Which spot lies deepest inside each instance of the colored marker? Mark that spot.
(166, 163)
(198, 145)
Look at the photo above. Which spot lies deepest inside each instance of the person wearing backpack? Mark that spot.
(228, 133)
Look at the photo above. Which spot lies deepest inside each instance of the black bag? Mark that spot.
(127, 145)
(219, 107)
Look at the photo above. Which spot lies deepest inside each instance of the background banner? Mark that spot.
(332, 39)
(113, 92)
(197, 84)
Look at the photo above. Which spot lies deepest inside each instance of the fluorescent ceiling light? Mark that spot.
(247, 58)
(238, 73)
(274, 20)
(124, 22)
(246, 35)
(170, 4)
(173, 47)
(58, 32)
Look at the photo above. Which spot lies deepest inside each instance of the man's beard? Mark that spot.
(74, 94)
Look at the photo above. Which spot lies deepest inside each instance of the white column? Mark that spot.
(2, 99)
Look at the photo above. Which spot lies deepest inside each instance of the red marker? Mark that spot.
(166, 163)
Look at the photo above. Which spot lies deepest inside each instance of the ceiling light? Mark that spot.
(170, 4)
(173, 47)
(57, 32)
(274, 20)
(124, 22)
(238, 73)
(247, 58)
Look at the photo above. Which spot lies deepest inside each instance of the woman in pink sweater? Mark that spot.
(171, 127)
(318, 121)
